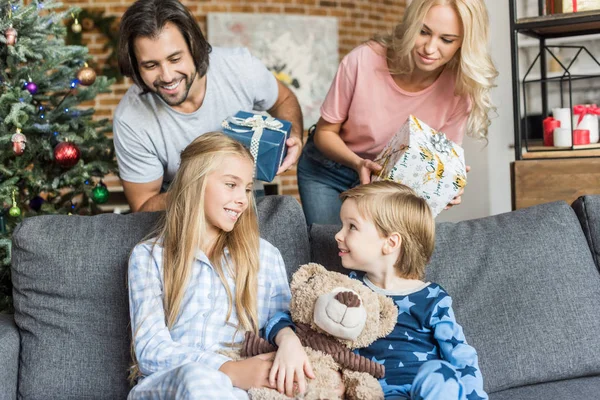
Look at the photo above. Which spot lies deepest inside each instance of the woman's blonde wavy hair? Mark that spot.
(472, 65)
(183, 226)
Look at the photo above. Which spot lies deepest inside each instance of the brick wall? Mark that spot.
(357, 22)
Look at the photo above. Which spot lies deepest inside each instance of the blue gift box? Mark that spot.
(264, 136)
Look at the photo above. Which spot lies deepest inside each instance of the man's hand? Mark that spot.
(290, 365)
(250, 373)
(365, 169)
(294, 148)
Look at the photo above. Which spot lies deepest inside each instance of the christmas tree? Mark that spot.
(53, 153)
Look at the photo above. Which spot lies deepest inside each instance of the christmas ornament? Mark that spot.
(14, 210)
(18, 140)
(31, 87)
(87, 24)
(100, 193)
(76, 27)
(86, 76)
(36, 203)
(66, 154)
(11, 36)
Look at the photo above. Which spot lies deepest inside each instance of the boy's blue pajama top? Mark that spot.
(426, 356)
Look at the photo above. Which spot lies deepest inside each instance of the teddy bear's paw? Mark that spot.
(361, 386)
(320, 393)
(266, 394)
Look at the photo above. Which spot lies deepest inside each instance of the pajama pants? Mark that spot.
(189, 381)
(429, 384)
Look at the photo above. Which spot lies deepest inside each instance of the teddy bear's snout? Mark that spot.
(349, 299)
(340, 313)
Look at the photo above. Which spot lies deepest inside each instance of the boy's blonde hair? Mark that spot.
(472, 64)
(183, 226)
(393, 207)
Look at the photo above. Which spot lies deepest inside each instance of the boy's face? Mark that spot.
(360, 243)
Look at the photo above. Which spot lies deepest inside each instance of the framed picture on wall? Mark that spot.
(301, 51)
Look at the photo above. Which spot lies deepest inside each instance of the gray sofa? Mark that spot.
(525, 284)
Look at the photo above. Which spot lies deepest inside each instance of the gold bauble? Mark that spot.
(76, 27)
(86, 76)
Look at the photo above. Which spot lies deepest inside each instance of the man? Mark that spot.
(183, 88)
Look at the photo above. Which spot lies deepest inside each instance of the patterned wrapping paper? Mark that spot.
(422, 158)
(264, 136)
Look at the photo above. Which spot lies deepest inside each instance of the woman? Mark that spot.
(435, 66)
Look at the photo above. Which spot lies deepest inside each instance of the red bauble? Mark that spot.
(66, 154)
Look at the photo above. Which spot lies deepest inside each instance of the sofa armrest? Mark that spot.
(9, 357)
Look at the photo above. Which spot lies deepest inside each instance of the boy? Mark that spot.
(388, 236)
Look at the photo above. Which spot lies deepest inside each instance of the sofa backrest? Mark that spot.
(525, 289)
(70, 295)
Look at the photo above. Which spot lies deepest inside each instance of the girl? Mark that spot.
(205, 279)
(435, 66)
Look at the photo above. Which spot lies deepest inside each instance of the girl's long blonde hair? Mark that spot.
(472, 64)
(183, 226)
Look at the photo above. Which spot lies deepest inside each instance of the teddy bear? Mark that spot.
(334, 315)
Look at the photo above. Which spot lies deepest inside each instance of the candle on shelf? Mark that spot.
(562, 137)
(581, 136)
(550, 124)
(564, 116)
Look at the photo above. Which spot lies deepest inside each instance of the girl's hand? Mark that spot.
(290, 364)
(458, 198)
(365, 169)
(250, 373)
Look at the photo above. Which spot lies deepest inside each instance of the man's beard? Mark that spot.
(174, 102)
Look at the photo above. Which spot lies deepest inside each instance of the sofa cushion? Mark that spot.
(580, 388)
(525, 289)
(70, 296)
(587, 209)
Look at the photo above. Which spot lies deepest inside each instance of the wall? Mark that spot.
(488, 191)
(357, 22)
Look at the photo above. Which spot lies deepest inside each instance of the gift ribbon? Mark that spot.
(257, 124)
(582, 110)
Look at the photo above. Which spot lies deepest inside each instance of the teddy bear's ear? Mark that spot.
(305, 273)
(388, 315)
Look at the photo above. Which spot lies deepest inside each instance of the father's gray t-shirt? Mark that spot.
(149, 135)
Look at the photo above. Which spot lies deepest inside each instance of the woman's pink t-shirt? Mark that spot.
(372, 108)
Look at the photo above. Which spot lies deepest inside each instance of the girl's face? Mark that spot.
(439, 39)
(359, 242)
(226, 196)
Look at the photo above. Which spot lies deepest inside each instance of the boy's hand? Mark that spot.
(291, 363)
(252, 372)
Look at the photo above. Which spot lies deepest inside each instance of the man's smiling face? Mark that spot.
(166, 65)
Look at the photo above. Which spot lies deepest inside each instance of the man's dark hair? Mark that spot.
(147, 18)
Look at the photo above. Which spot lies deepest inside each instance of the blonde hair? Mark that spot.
(183, 226)
(393, 207)
(472, 64)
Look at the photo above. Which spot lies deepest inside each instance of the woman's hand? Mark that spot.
(290, 364)
(250, 373)
(458, 198)
(365, 169)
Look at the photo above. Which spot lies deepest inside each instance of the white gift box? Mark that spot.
(425, 160)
